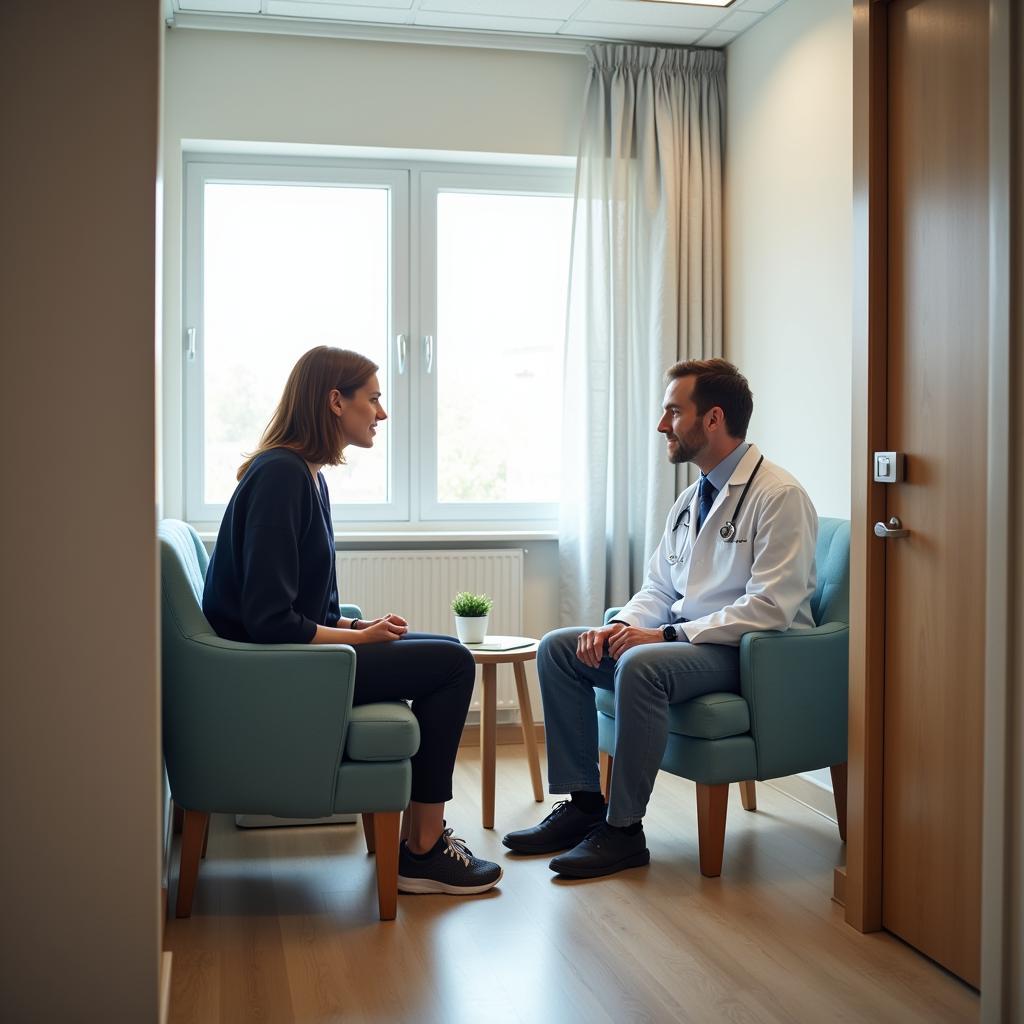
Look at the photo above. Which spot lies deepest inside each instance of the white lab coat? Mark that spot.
(762, 579)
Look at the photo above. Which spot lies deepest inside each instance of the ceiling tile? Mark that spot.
(632, 33)
(761, 6)
(219, 6)
(638, 12)
(487, 23)
(336, 12)
(550, 9)
(739, 21)
(717, 38)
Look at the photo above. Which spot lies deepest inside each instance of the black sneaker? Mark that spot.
(562, 829)
(450, 867)
(603, 852)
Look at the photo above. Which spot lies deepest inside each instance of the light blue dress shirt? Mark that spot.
(721, 474)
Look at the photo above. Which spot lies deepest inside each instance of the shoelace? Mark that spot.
(456, 847)
(555, 808)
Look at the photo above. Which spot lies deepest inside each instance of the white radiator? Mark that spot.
(420, 585)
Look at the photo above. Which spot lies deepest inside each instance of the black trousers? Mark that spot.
(436, 673)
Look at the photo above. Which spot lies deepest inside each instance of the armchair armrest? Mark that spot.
(256, 728)
(795, 684)
(350, 611)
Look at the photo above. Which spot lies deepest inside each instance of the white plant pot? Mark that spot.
(471, 630)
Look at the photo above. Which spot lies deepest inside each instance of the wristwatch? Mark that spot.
(669, 633)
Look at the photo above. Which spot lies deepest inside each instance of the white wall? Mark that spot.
(788, 238)
(80, 726)
(788, 241)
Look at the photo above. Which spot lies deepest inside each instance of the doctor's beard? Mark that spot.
(689, 446)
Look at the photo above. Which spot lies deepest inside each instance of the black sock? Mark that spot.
(588, 803)
(429, 853)
(628, 830)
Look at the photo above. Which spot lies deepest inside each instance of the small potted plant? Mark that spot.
(472, 612)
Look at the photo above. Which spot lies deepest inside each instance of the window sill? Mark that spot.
(410, 538)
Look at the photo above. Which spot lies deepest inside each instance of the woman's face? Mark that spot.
(360, 414)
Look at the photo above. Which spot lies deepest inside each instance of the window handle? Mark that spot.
(190, 346)
(428, 351)
(401, 341)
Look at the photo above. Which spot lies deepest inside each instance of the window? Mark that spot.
(279, 258)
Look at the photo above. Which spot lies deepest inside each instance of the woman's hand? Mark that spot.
(387, 627)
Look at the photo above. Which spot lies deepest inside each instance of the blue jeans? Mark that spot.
(646, 680)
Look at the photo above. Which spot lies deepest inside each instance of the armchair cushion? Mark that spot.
(795, 686)
(387, 731)
(712, 716)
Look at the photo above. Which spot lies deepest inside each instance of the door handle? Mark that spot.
(401, 343)
(892, 530)
(428, 351)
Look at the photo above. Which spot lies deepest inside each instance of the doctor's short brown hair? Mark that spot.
(719, 383)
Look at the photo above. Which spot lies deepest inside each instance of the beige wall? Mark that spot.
(79, 730)
(788, 238)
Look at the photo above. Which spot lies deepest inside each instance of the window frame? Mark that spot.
(532, 181)
(413, 273)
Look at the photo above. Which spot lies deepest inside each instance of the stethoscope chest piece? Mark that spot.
(727, 532)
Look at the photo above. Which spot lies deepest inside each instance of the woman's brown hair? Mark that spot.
(303, 420)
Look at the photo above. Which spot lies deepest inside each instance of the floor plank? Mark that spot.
(284, 929)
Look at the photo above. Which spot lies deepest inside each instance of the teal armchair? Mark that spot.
(790, 714)
(270, 728)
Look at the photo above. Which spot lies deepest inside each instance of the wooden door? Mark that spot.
(937, 87)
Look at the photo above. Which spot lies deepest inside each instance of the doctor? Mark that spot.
(737, 555)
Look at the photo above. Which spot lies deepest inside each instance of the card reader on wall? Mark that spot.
(889, 467)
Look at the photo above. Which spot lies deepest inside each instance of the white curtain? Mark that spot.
(645, 291)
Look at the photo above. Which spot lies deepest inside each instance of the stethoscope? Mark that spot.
(728, 531)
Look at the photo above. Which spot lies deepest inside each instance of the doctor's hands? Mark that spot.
(632, 636)
(590, 645)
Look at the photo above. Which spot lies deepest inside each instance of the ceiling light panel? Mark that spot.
(550, 9)
(632, 12)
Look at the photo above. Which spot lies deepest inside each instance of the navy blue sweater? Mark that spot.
(271, 577)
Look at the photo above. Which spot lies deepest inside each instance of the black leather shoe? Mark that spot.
(562, 829)
(603, 851)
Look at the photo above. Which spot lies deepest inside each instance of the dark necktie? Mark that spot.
(705, 500)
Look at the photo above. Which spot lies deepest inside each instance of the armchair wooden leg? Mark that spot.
(712, 804)
(839, 789)
(386, 827)
(206, 837)
(193, 831)
(748, 794)
(606, 775)
(368, 832)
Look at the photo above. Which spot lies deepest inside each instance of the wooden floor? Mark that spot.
(285, 929)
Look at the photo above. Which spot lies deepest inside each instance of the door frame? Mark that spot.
(1004, 693)
(1002, 942)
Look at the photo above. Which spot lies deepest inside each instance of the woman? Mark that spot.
(272, 580)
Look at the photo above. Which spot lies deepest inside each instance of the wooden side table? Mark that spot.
(490, 660)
